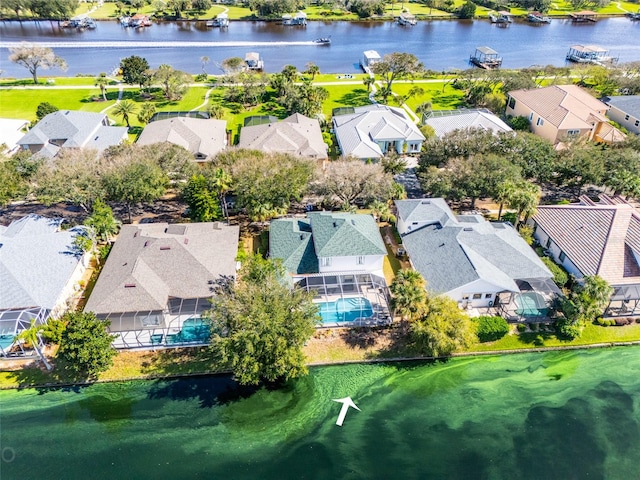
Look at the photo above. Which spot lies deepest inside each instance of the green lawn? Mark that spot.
(344, 96)
(441, 99)
(23, 103)
(591, 334)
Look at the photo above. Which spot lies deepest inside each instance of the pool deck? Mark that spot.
(381, 314)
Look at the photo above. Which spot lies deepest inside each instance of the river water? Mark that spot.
(528, 416)
(440, 45)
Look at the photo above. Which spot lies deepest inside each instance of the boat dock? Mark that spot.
(369, 58)
(299, 19)
(407, 19)
(487, 58)
(502, 18)
(221, 21)
(253, 62)
(584, 16)
(592, 54)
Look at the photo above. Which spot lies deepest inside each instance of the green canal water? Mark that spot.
(564, 415)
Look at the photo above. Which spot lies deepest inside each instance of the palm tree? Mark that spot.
(216, 111)
(424, 108)
(101, 82)
(124, 109)
(102, 221)
(524, 199)
(31, 337)
(409, 294)
(147, 111)
(312, 69)
(368, 82)
(222, 182)
(503, 193)
(204, 60)
(594, 296)
(380, 210)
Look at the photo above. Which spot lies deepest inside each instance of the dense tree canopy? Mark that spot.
(396, 66)
(174, 83)
(409, 294)
(85, 346)
(260, 325)
(135, 70)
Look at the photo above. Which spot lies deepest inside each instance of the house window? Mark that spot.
(637, 123)
(531, 116)
(477, 296)
(562, 257)
(626, 117)
(573, 133)
(360, 260)
(512, 102)
(488, 295)
(326, 261)
(465, 296)
(540, 121)
(548, 244)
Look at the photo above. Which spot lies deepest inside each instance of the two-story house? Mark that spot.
(625, 110)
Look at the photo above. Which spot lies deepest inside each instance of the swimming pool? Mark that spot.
(345, 310)
(531, 304)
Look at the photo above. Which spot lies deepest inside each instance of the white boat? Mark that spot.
(253, 62)
(406, 19)
(501, 17)
(323, 41)
(537, 17)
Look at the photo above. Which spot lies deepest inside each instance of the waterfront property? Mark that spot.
(486, 57)
(372, 131)
(40, 271)
(158, 280)
(204, 138)
(407, 19)
(563, 112)
(602, 239)
(501, 18)
(299, 19)
(477, 263)
(221, 21)
(585, 16)
(71, 129)
(253, 62)
(338, 256)
(369, 59)
(446, 121)
(537, 17)
(296, 134)
(624, 110)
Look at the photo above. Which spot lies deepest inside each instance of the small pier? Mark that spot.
(501, 18)
(299, 19)
(592, 54)
(487, 58)
(537, 17)
(221, 21)
(253, 62)
(585, 16)
(406, 19)
(369, 58)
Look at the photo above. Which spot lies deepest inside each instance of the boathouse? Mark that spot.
(487, 58)
(369, 58)
(590, 54)
(253, 62)
(584, 16)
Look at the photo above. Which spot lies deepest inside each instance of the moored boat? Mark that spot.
(537, 17)
(323, 41)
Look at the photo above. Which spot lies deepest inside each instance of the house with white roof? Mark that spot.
(71, 129)
(158, 280)
(339, 257)
(372, 131)
(603, 238)
(39, 273)
(625, 110)
(563, 112)
(11, 130)
(204, 138)
(446, 121)
(475, 262)
(296, 134)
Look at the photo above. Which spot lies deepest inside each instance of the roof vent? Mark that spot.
(186, 241)
(97, 137)
(426, 202)
(146, 243)
(129, 285)
(165, 247)
(442, 244)
(335, 224)
(353, 222)
(468, 229)
(301, 238)
(136, 233)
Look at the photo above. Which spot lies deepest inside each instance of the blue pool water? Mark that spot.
(345, 310)
(193, 330)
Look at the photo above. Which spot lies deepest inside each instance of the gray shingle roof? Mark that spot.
(202, 137)
(72, 129)
(358, 131)
(443, 123)
(453, 251)
(627, 103)
(37, 260)
(148, 264)
(296, 134)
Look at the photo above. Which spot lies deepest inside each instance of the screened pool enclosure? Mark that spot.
(12, 322)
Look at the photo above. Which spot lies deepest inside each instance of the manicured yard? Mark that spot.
(441, 99)
(21, 103)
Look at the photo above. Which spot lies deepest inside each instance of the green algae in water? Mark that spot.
(553, 415)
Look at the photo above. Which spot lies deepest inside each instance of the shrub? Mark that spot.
(519, 123)
(538, 341)
(567, 330)
(600, 321)
(526, 232)
(52, 331)
(560, 276)
(521, 327)
(491, 328)
(532, 326)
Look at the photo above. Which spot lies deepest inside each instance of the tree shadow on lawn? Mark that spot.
(447, 100)
(356, 98)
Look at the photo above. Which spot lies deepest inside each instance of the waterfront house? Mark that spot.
(158, 280)
(71, 129)
(372, 131)
(603, 238)
(625, 110)
(475, 262)
(40, 271)
(204, 138)
(447, 121)
(296, 134)
(563, 112)
(339, 256)
(11, 131)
